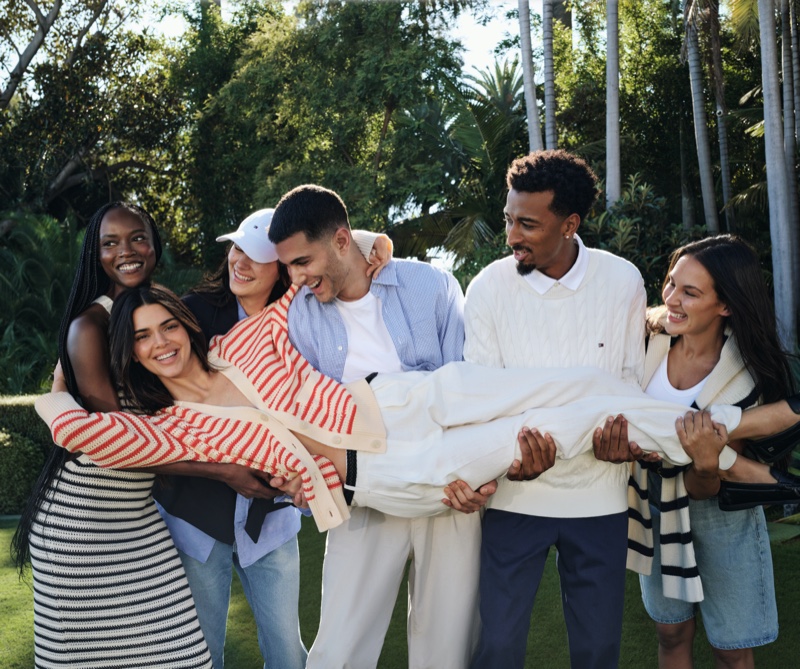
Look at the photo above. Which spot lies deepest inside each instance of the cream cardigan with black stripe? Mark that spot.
(728, 383)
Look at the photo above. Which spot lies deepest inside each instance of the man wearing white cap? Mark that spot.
(215, 525)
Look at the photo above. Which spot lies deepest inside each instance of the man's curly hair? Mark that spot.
(572, 181)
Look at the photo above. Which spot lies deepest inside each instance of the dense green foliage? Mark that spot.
(24, 443)
(20, 462)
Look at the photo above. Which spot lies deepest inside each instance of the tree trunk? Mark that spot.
(551, 139)
(701, 126)
(687, 198)
(534, 131)
(14, 79)
(784, 278)
(613, 167)
(722, 112)
(795, 68)
(789, 139)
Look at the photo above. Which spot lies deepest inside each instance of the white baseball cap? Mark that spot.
(251, 237)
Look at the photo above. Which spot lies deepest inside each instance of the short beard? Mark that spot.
(523, 269)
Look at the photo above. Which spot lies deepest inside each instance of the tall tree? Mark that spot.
(795, 48)
(293, 121)
(716, 72)
(687, 199)
(86, 121)
(691, 19)
(550, 134)
(481, 122)
(531, 106)
(613, 166)
(789, 136)
(784, 251)
(26, 27)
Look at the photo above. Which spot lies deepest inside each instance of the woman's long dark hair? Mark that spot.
(739, 284)
(215, 288)
(142, 390)
(89, 283)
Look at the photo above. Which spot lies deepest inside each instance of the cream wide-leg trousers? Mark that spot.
(462, 420)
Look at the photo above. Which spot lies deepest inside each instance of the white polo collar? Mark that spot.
(541, 283)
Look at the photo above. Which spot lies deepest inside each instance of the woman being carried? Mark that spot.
(268, 408)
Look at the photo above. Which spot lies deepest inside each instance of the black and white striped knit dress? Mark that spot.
(109, 587)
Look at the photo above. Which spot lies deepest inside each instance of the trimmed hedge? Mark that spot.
(24, 444)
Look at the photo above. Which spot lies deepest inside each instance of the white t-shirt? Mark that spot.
(661, 389)
(369, 346)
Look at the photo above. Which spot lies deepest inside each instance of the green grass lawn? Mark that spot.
(547, 640)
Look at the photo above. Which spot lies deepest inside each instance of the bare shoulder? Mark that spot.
(91, 323)
(87, 338)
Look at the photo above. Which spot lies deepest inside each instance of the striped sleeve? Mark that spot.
(260, 348)
(176, 434)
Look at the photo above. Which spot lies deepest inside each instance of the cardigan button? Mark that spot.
(376, 444)
(337, 440)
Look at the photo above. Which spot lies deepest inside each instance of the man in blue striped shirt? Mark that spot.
(349, 325)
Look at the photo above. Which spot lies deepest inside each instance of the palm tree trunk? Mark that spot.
(700, 124)
(550, 136)
(789, 138)
(722, 112)
(795, 67)
(687, 199)
(783, 271)
(532, 109)
(613, 167)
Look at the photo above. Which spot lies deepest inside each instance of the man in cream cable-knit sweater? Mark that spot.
(555, 303)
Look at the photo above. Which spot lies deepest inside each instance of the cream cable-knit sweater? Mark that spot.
(508, 324)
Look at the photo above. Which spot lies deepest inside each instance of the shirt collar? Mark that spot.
(541, 283)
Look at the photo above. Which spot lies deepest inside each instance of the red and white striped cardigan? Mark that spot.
(257, 356)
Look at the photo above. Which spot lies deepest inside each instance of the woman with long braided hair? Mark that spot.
(108, 584)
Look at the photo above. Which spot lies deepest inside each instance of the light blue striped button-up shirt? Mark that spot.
(423, 308)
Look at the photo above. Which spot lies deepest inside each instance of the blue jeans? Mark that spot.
(272, 588)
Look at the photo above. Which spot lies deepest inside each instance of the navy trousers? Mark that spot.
(591, 567)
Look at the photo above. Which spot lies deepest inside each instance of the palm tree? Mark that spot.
(789, 137)
(687, 199)
(550, 136)
(722, 109)
(482, 125)
(613, 167)
(531, 106)
(700, 123)
(784, 270)
(795, 66)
